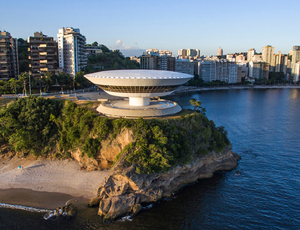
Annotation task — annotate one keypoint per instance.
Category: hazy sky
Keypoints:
(131, 25)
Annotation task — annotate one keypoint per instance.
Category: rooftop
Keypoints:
(139, 74)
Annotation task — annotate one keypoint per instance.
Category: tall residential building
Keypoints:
(192, 52)
(71, 50)
(250, 54)
(280, 62)
(259, 70)
(296, 76)
(295, 59)
(42, 54)
(182, 53)
(149, 62)
(268, 55)
(157, 60)
(220, 52)
(185, 66)
(222, 70)
(9, 64)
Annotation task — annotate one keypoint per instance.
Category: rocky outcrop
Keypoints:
(110, 148)
(124, 190)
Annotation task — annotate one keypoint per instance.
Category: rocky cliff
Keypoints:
(124, 190)
(106, 156)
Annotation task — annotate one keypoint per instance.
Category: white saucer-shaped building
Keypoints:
(139, 86)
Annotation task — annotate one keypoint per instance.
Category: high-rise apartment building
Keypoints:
(222, 70)
(185, 66)
(157, 60)
(9, 64)
(42, 54)
(295, 59)
(268, 55)
(259, 70)
(220, 52)
(250, 54)
(193, 53)
(182, 53)
(280, 62)
(71, 50)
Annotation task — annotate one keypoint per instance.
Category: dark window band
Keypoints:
(138, 89)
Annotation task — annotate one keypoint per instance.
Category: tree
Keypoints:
(4, 87)
(48, 79)
(81, 81)
(65, 80)
(197, 106)
(104, 49)
(24, 79)
(13, 83)
(95, 44)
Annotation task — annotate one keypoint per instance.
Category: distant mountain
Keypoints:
(132, 52)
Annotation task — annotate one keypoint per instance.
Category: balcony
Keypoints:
(44, 69)
(4, 70)
(44, 61)
(43, 53)
(34, 57)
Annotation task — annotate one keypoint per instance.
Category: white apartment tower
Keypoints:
(268, 56)
(250, 54)
(71, 50)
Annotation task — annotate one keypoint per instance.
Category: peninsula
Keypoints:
(123, 163)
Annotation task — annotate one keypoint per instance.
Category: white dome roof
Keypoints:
(139, 74)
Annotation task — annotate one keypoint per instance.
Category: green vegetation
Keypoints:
(109, 60)
(42, 127)
(48, 82)
(26, 125)
(23, 55)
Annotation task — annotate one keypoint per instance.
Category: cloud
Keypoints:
(120, 45)
(127, 51)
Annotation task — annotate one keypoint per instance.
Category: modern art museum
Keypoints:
(142, 87)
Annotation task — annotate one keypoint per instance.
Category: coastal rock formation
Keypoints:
(124, 190)
(110, 149)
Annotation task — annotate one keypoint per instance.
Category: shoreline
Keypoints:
(186, 89)
(38, 200)
(46, 184)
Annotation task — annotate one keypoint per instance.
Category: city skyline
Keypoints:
(135, 26)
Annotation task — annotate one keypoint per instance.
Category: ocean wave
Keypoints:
(20, 207)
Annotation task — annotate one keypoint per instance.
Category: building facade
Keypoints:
(193, 53)
(259, 70)
(182, 53)
(220, 52)
(250, 54)
(93, 50)
(42, 54)
(155, 59)
(9, 64)
(71, 50)
(185, 66)
(280, 62)
(268, 56)
(222, 70)
(295, 58)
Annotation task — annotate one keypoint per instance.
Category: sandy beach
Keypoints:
(46, 183)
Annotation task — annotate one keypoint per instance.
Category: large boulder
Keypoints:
(124, 190)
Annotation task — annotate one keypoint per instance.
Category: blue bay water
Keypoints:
(264, 129)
